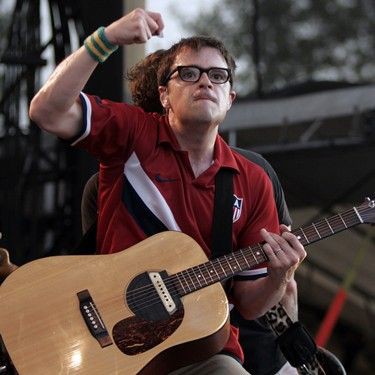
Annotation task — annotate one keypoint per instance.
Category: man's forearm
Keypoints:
(55, 106)
(254, 298)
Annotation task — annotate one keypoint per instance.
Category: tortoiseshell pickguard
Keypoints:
(136, 335)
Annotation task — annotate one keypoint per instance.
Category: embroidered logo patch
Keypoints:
(237, 207)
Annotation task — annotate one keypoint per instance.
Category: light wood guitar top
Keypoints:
(45, 333)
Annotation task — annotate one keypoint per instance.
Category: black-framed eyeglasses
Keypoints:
(192, 73)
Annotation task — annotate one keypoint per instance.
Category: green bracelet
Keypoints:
(98, 46)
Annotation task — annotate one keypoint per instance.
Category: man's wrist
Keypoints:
(98, 45)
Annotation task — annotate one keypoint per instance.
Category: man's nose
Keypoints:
(204, 80)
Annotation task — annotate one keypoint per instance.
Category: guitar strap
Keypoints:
(222, 218)
(295, 342)
(221, 242)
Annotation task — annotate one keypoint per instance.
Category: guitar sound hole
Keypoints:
(143, 300)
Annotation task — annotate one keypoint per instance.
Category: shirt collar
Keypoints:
(166, 135)
(222, 152)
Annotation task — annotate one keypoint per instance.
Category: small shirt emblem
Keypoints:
(237, 207)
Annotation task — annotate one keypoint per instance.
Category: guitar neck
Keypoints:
(221, 268)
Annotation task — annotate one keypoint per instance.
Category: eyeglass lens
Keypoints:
(193, 74)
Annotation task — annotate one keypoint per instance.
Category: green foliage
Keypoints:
(299, 40)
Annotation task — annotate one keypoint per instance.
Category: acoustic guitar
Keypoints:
(155, 307)
(6, 267)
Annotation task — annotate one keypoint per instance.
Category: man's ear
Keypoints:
(232, 96)
(164, 97)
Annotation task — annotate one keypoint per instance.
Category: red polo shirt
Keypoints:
(146, 183)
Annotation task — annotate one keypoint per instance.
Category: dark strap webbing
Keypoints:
(221, 225)
(223, 214)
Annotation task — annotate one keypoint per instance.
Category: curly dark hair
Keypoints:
(143, 82)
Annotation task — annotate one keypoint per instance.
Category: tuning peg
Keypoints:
(371, 203)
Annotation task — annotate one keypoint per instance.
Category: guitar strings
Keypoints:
(171, 280)
(145, 302)
(141, 296)
(310, 231)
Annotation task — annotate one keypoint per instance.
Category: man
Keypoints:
(262, 354)
(156, 159)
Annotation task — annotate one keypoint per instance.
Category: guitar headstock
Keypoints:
(6, 267)
(367, 211)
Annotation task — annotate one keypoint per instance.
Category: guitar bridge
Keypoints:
(93, 319)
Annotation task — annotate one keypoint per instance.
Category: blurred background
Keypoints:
(306, 86)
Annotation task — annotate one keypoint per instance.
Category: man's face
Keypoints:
(201, 102)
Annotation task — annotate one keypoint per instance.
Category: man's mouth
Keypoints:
(204, 97)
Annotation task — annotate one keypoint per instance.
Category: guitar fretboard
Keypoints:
(221, 268)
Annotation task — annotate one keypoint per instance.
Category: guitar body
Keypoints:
(45, 332)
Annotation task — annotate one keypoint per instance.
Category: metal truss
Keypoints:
(38, 197)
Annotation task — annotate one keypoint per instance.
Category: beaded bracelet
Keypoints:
(98, 46)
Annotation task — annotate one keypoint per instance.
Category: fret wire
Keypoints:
(236, 267)
(193, 275)
(182, 286)
(358, 215)
(335, 222)
(349, 222)
(208, 272)
(241, 260)
(261, 252)
(362, 210)
(323, 232)
(299, 237)
(216, 263)
(226, 265)
(329, 225)
(196, 276)
(186, 283)
(229, 257)
(214, 268)
(252, 253)
(251, 256)
(245, 259)
(354, 217)
(322, 228)
(257, 250)
(191, 279)
(316, 230)
(187, 279)
(313, 231)
(342, 220)
(310, 234)
(220, 263)
(303, 232)
(205, 273)
(198, 271)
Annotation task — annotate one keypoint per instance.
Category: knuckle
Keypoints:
(139, 12)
